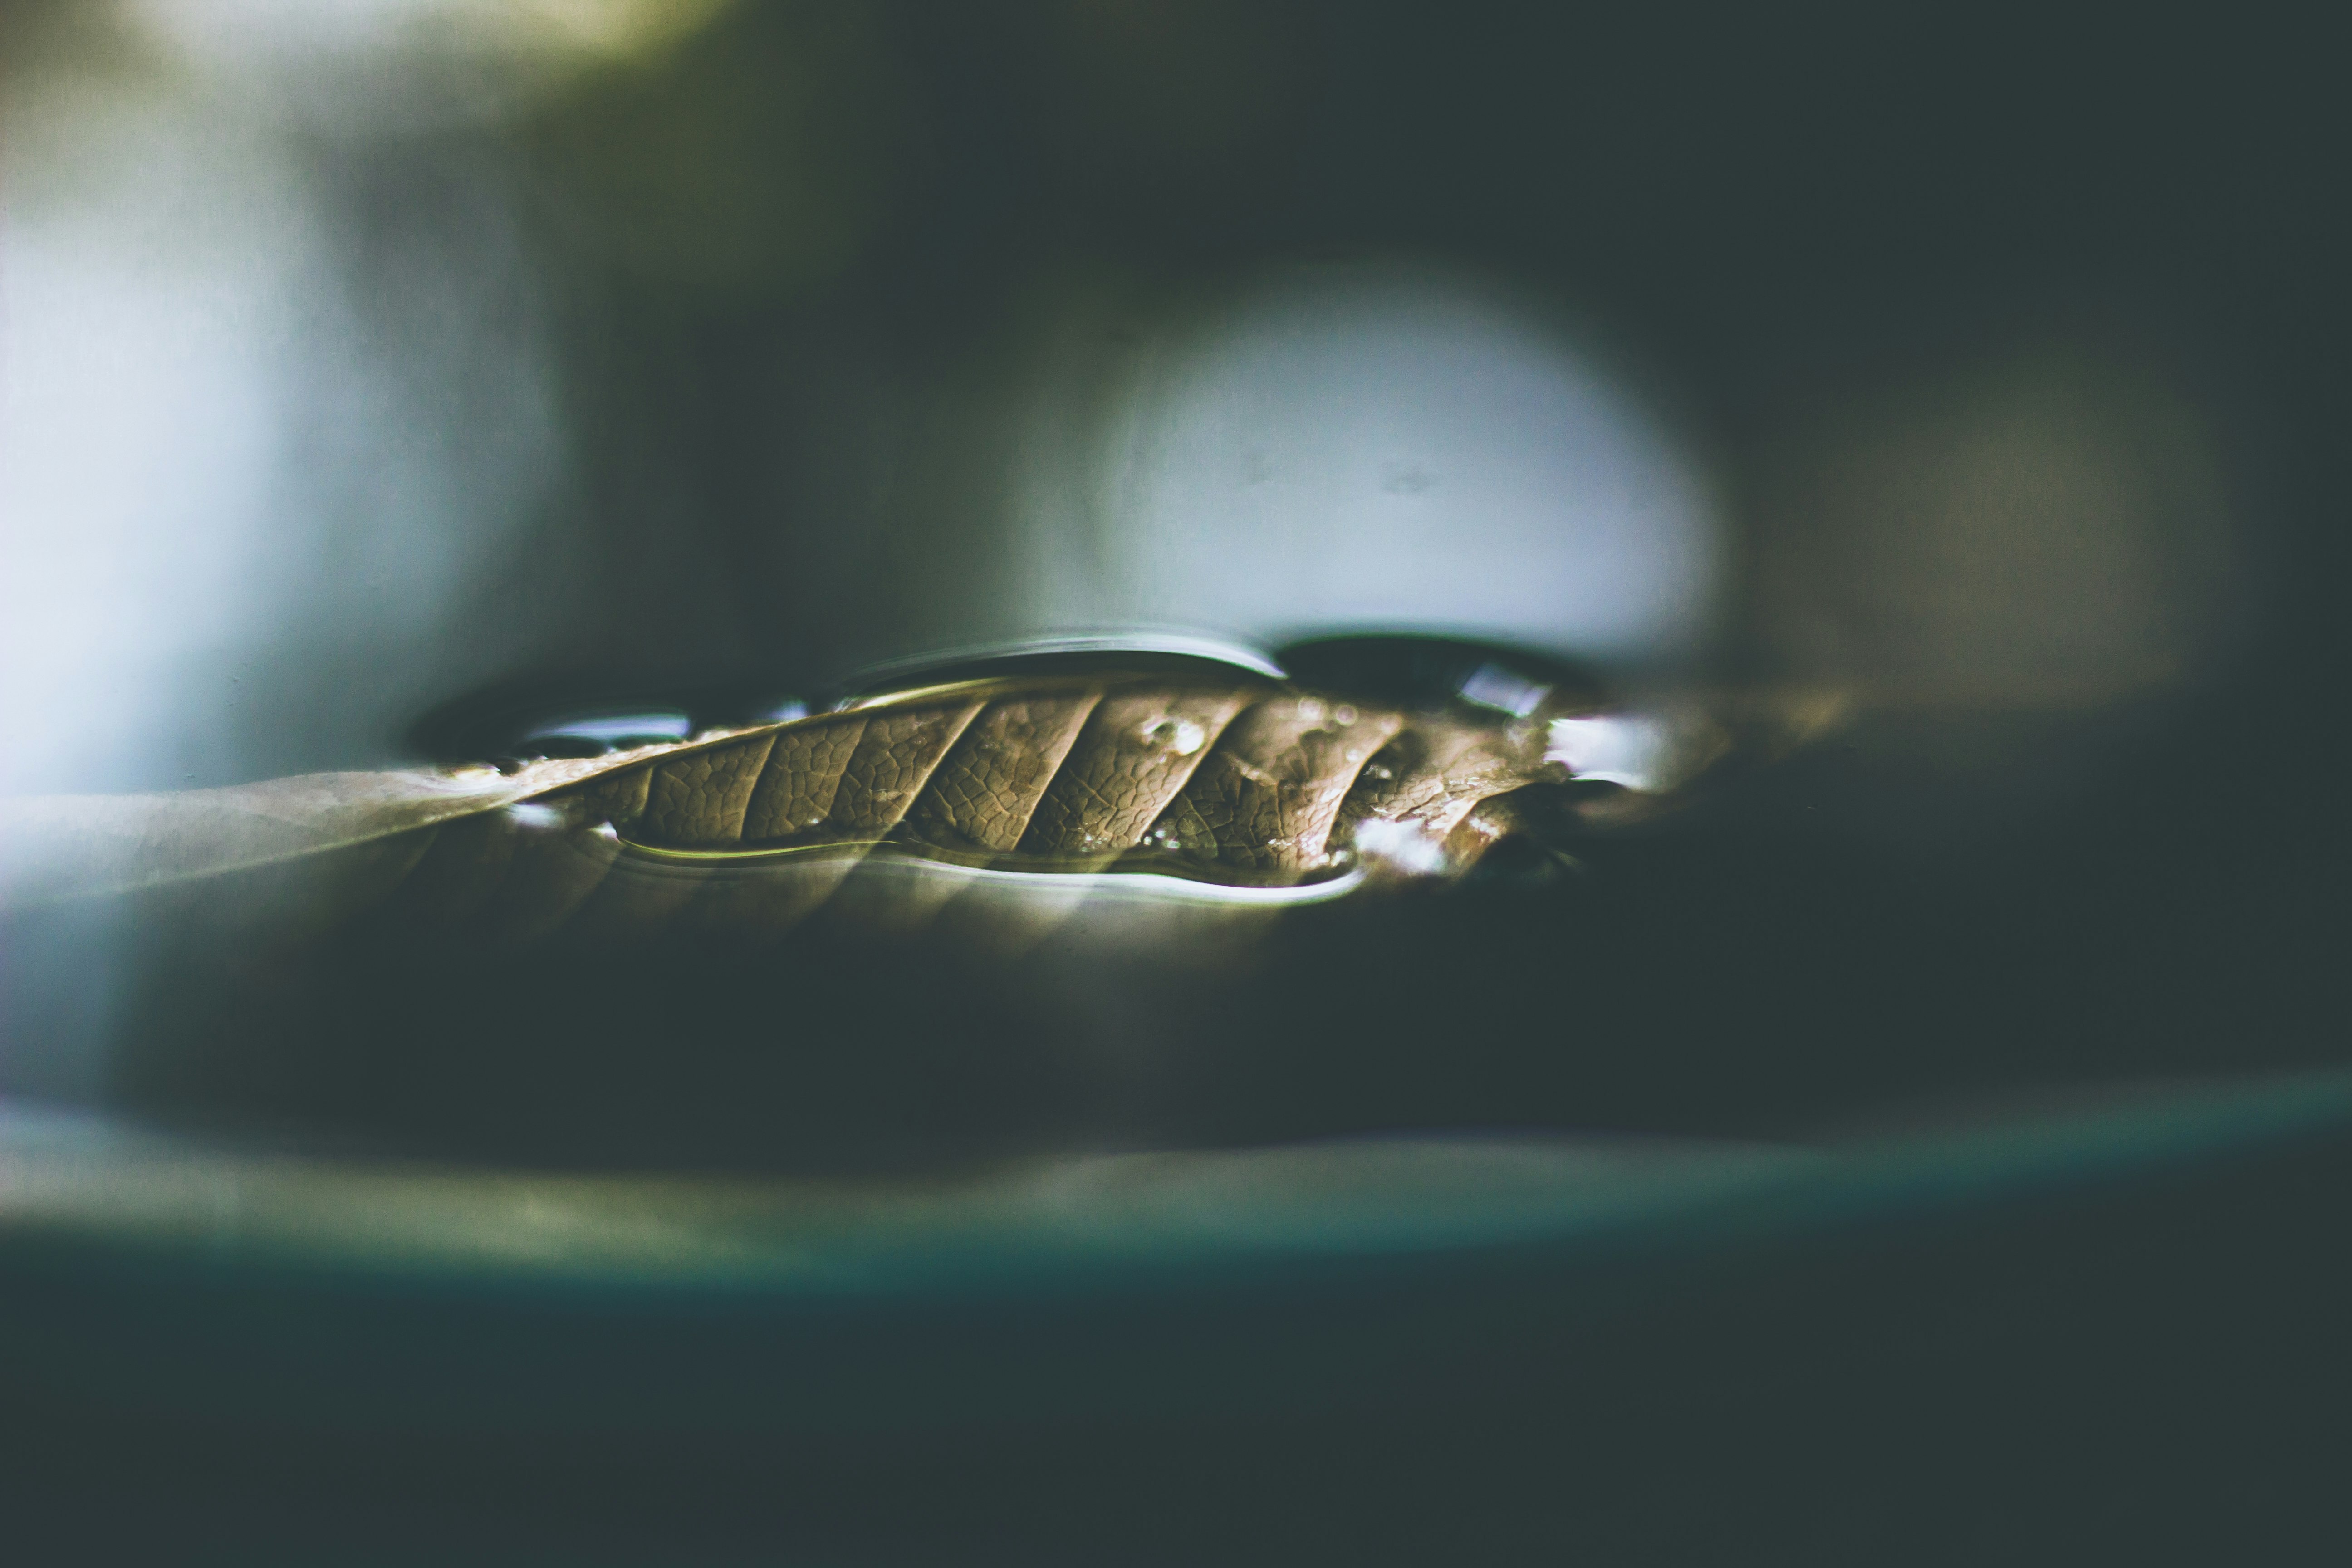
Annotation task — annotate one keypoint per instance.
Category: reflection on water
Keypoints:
(1640, 752)
(593, 736)
(1141, 648)
(1077, 813)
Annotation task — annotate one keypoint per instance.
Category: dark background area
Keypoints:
(1790, 206)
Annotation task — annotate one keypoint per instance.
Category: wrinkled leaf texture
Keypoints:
(1215, 784)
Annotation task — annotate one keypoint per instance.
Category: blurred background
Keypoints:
(361, 354)
(1984, 364)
